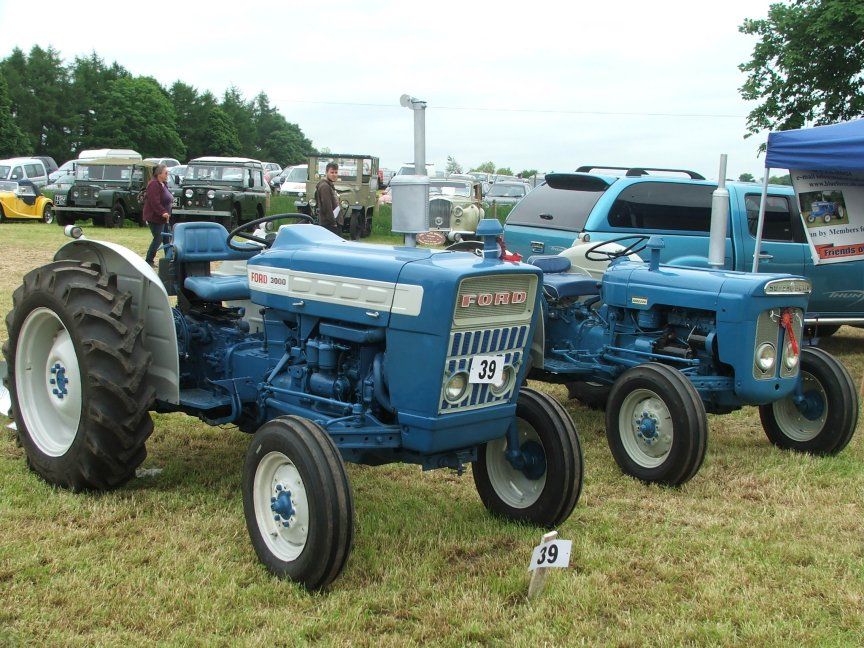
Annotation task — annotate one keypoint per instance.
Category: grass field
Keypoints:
(761, 548)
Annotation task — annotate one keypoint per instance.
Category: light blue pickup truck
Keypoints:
(596, 206)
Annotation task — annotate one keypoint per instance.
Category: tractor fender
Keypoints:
(537, 350)
(149, 304)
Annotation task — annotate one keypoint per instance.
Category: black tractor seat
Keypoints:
(558, 283)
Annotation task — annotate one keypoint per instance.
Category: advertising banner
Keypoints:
(832, 207)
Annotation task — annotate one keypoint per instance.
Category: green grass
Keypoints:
(761, 548)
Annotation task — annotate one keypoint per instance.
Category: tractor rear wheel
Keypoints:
(77, 377)
(544, 489)
(656, 424)
(297, 502)
(824, 421)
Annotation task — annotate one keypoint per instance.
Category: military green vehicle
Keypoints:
(455, 205)
(224, 190)
(108, 190)
(357, 187)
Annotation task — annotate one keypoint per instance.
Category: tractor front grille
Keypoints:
(507, 341)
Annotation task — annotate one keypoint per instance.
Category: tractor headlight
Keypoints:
(456, 387)
(344, 204)
(766, 356)
(188, 193)
(507, 377)
(211, 194)
(790, 357)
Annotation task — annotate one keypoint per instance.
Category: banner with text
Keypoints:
(832, 207)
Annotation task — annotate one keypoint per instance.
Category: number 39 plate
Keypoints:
(486, 369)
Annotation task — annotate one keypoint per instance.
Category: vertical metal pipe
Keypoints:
(757, 250)
(719, 220)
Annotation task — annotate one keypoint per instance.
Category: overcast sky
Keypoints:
(549, 86)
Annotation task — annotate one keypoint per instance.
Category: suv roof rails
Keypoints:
(633, 172)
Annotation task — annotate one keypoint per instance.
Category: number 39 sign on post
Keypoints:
(551, 552)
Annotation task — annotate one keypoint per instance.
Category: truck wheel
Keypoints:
(77, 368)
(234, 223)
(824, 422)
(656, 424)
(545, 489)
(297, 501)
(590, 394)
(367, 224)
(48, 214)
(117, 217)
(64, 219)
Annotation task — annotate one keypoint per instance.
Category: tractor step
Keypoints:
(203, 399)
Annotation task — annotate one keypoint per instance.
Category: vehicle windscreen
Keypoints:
(563, 209)
(105, 172)
(506, 191)
(8, 186)
(4, 171)
(297, 174)
(449, 188)
(348, 168)
(214, 173)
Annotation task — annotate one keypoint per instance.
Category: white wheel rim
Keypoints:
(513, 486)
(48, 382)
(645, 428)
(275, 475)
(792, 422)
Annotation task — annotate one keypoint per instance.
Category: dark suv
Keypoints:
(226, 190)
(108, 190)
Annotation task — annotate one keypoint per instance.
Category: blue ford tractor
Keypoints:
(326, 350)
(657, 346)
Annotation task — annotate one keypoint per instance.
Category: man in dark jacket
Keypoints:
(328, 200)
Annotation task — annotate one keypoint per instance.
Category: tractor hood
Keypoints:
(733, 295)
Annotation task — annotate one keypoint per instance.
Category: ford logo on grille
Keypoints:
(494, 299)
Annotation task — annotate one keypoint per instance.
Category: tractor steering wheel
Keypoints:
(597, 253)
(466, 246)
(238, 232)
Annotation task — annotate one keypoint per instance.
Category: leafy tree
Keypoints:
(528, 173)
(504, 171)
(241, 113)
(780, 180)
(138, 114)
(486, 167)
(746, 177)
(222, 136)
(192, 111)
(13, 141)
(808, 65)
(452, 165)
(91, 80)
(276, 138)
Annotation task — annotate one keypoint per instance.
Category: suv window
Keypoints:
(782, 223)
(17, 173)
(663, 206)
(33, 170)
(562, 209)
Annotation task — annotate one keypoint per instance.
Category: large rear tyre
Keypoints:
(297, 502)
(545, 487)
(656, 424)
(590, 394)
(824, 420)
(77, 377)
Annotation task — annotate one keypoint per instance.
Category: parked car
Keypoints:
(408, 169)
(227, 190)
(272, 169)
(293, 180)
(599, 207)
(384, 176)
(24, 168)
(24, 200)
(455, 204)
(176, 175)
(357, 187)
(63, 177)
(109, 190)
(508, 192)
(126, 154)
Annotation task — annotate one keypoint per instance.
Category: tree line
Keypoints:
(56, 109)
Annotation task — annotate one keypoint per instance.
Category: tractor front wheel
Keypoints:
(77, 377)
(542, 484)
(297, 502)
(656, 424)
(822, 418)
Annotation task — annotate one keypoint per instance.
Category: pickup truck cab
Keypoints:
(587, 206)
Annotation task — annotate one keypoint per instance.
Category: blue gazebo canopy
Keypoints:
(838, 147)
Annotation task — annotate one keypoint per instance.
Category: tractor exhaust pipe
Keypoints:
(719, 219)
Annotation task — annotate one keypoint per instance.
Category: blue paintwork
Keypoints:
(59, 380)
(838, 289)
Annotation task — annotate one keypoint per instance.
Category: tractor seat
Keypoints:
(196, 244)
(560, 284)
